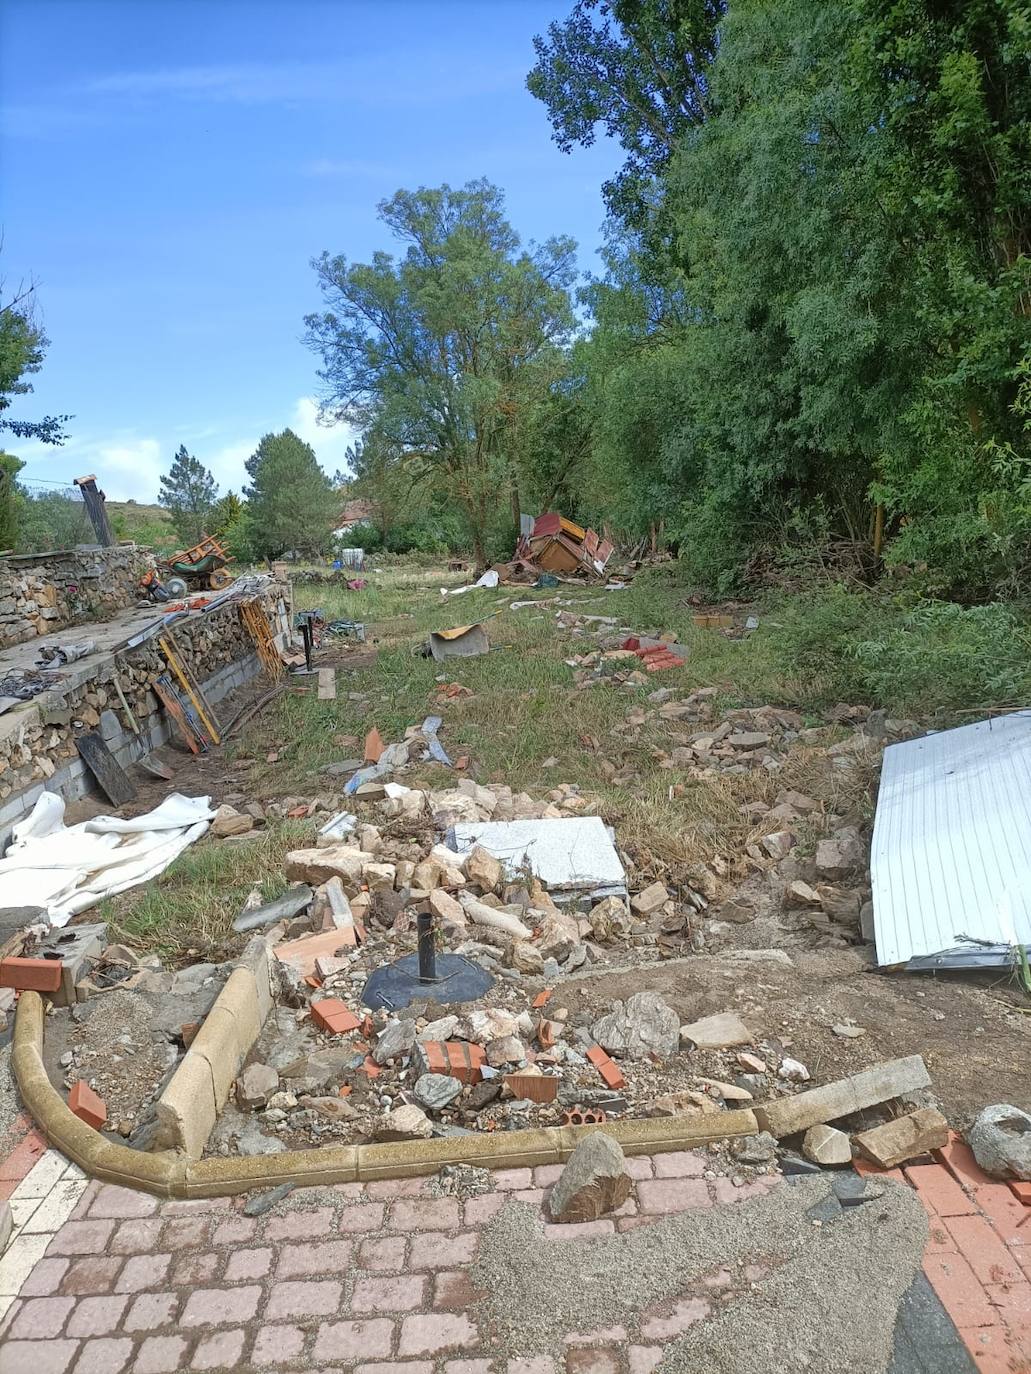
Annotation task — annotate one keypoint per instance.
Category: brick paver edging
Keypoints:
(172, 1175)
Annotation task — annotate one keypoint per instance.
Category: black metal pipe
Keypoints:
(427, 948)
(307, 636)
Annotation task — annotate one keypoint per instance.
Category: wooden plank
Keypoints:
(327, 684)
(115, 782)
(162, 689)
(905, 1137)
(786, 1115)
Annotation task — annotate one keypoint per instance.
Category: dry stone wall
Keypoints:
(43, 593)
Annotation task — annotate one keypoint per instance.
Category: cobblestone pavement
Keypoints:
(375, 1278)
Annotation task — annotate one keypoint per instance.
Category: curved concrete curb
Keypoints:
(174, 1175)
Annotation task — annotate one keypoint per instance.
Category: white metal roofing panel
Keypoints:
(951, 854)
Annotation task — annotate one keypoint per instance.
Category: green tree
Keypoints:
(291, 503)
(9, 500)
(638, 68)
(443, 348)
(189, 493)
(22, 347)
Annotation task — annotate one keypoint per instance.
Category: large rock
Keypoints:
(841, 855)
(717, 1032)
(916, 1133)
(405, 1123)
(595, 1181)
(395, 1040)
(255, 1086)
(526, 958)
(483, 870)
(434, 1091)
(1001, 1141)
(641, 1026)
(317, 866)
(650, 899)
(610, 920)
(826, 1145)
(558, 935)
(229, 821)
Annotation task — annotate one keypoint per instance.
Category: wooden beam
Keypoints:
(786, 1115)
(95, 509)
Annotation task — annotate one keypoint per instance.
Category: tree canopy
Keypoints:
(291, 503)
(189, 493)
(22, 348)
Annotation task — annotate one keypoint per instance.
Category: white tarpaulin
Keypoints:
(67, 869)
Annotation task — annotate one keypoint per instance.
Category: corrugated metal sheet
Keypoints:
(951, 856)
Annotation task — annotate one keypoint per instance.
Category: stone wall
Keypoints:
(38, 741)
(42, 593)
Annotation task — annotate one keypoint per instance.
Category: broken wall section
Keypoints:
(42, 593)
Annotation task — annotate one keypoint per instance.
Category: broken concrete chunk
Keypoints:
(405, 1123)
(395, 1040)
(917, 1133)
(826, 1145)
(483, 915)
(317, 866)
(593, 1183)
(435, 1091)
(255, 1086)
(641, 1026)
(229, 821)
(716, 1032)
(557, 935)
(650, 899)
(610, 920)
(444, 906)
(786, 1115)
(1001, 1141)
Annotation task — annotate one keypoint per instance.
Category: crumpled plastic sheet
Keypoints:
(67, 869)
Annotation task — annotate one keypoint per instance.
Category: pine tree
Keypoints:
(291, 504)
(189, 493)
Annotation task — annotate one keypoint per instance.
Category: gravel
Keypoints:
(827, 1304)
(10, 1105)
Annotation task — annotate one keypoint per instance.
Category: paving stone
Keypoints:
(479, 1210)
(642, 1359)
(38, 1357)
(41, 1318)
(249, 1264)
(958, 1287)
(664, 1195)
(353, 1341)
(95, 1275)
(235, 1231)
(402, 1294)
(467, 1367)
(508, 1179)
(142, 1272)
(214, 1306)
(312, 1298)
(431, 1333)
(160, 1355)
(433, 1214)
(194, 1269)
(137, 1237)
(108, 1355)
(386, 1254)
(301, 1225)
(46, 1278)
(679, 1164)
(726, 1192)
(185, 1233)
(397, 1367)
(579, 1230)
(120, 1203)
(151, 1310)
(82, 1238)
(96, 1316)
(454, 1288)
(437, 1251)
(221, 1351)
(365, 1216)
(277, 1345)
(593, 1360)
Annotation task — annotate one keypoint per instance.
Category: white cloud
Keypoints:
(330, 442)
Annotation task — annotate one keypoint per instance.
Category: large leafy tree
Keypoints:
(444, 348)
(291, 503)
(639, 69)
(22, 347)
(189, 493)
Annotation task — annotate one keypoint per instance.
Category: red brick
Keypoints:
(998, 1350)
(387, 1254)
(96, 1316)
(402, 1294)
(220, 1351)
(333, 1016)
(673, 1319)
(609, 1071)
(303, 1298)
(679, 1164)
(533, 1087)
(939, 1191)
(142, 1272)
(277, 1345)
(1013, 1302)
(38, 1357)
(939, 1237)
(86, 1105)
(431, 1333)
(958, 1158)
(981, 1247)
(1021, 1191)
(81, 1238)
(151, 1310)
(36, 975)
(252, 1263)
(108, 1355)
(160, 1355)
(961, 1293)
(22, 1157)
(41, 1318)
(659, 1195)
(430, 1214)
(354, 1341)
(436, 1251)
(457, 1058)
(1005, 1212)
(85, 1277)
(454, 1288)
(867, 1166)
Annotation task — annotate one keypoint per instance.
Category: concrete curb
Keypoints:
(174, 1175)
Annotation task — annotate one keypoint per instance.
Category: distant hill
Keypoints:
(142, 523)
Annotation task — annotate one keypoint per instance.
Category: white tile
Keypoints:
(73, 1171)
(22, 1208)
(55, 1209)
(42, 1176)
(5, 1306)
(18, 1261)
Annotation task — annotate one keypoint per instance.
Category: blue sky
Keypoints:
(168, 170)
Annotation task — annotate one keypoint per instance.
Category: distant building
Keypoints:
(356, 512)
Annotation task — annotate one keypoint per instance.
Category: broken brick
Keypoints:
(31, 975)
(534, 1087)
(374, 746)
(542, 999)
(330, 1014)
(609, 1071)
(86, 1105)
(456, 1058)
